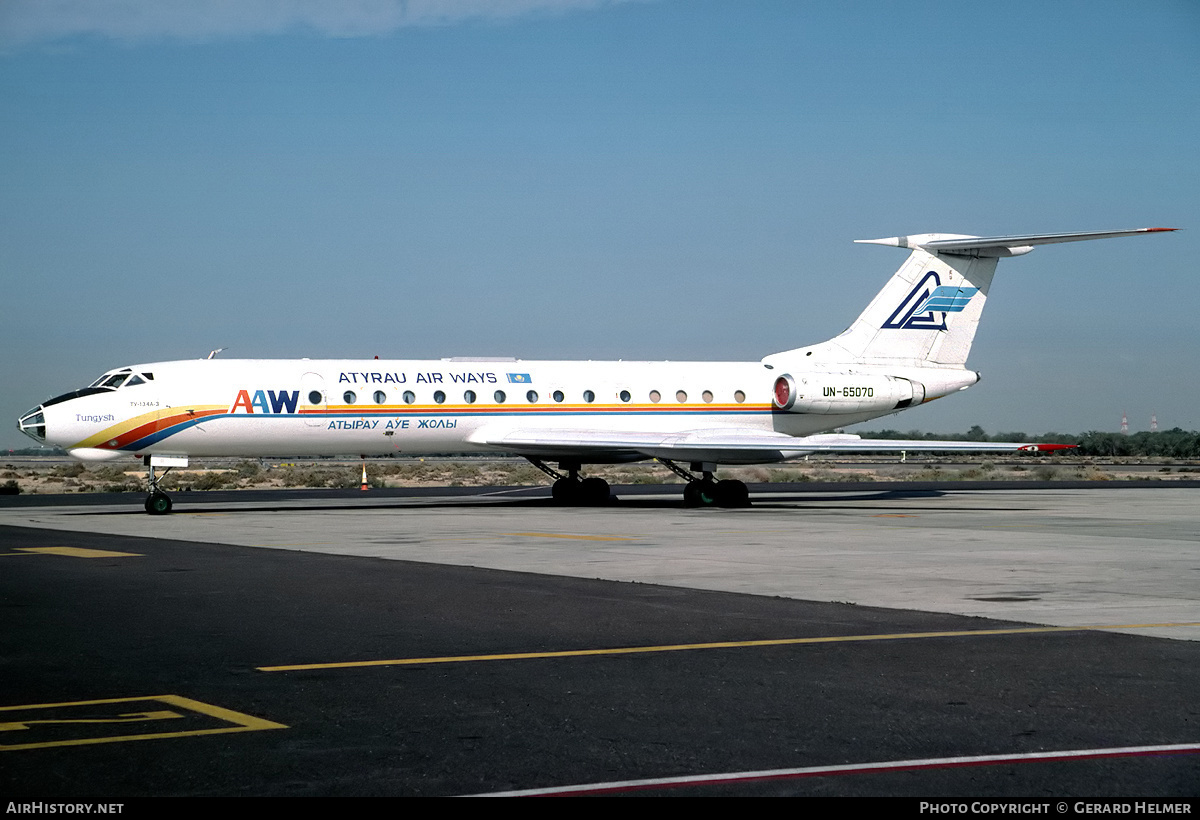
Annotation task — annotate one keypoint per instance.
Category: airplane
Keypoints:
(907, 348)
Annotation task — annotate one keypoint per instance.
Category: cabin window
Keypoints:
(349, 397)
(589, 396)
(558, 395)
(409, 397)
(655, 396)
(707, 396)
(380, 397)
(680, 396)
(469, 397)
(625, 396)
(500, 397)
(314, 397)
(531, 397)
(739, 396)
(439, 397)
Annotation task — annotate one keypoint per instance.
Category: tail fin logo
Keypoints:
(926, 305)
(948, 299)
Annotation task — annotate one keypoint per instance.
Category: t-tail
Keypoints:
(927, 314)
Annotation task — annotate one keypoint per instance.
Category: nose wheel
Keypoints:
(158, 503)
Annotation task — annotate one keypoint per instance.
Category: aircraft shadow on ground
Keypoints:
(523, 497)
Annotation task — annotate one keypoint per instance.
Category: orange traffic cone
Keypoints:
(364, 481)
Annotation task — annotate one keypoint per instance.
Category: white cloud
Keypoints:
(37, 21)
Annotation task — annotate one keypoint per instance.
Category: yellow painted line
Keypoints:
(241, 722)
(635, 650)
(574, 537)
(77, 552)
(126, 717)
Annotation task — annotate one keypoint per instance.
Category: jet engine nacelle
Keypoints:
(838, 393)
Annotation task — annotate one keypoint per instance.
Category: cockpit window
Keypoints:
(112, 381)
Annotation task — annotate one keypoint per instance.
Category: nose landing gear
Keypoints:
(158, 502)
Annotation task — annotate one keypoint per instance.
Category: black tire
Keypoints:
(732, 493)
(566, 491)
(593, 491)
(699, 494)
(158, 503)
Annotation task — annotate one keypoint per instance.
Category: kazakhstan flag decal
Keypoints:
(519, 378)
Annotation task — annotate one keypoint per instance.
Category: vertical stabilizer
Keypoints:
(927, 313)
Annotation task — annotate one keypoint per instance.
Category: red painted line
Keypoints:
(860, 768)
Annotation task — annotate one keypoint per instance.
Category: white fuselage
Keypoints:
(215, 407)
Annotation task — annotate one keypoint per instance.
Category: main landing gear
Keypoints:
(702, 491)
(157, 502)
(571, 491)
(706, 491)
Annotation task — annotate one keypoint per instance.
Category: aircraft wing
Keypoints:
(718, 445)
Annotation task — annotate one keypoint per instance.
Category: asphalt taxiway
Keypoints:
(392, 643)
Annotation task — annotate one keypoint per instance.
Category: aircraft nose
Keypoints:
(33, 424)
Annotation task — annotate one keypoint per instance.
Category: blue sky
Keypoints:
(654, 179)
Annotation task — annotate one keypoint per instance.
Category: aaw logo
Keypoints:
(280, 402)
(919, 310)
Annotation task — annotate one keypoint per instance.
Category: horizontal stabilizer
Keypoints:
(997, 246)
